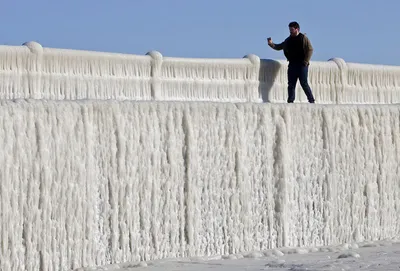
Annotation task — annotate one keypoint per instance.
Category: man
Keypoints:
(298, 50)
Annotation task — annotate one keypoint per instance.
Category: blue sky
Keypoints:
(363, 31)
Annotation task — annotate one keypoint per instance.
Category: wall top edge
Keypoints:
(371, 66)
(35, 47)
(83, 53)
(207, 60)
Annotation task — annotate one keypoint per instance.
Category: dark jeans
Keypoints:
(298, 71)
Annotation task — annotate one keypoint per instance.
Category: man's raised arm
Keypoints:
(277, 47)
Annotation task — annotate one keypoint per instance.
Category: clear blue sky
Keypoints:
(364, 31)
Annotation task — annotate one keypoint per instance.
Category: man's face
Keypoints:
(293, 31)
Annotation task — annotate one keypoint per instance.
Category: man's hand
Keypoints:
(270, 41)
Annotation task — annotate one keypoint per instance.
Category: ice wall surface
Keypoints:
(92, 183)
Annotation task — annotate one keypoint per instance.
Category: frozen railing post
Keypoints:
(34, 69)
(252, 79)
(343, 76)
(156, 63)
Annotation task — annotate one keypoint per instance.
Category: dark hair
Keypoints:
(295, 25)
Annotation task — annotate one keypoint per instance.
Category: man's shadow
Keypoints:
(269, 70)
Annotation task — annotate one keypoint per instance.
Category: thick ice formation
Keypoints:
(99, 182)
(56, 74)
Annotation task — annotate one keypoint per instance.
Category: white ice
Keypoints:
(33, 72)
(91, 183)
(89, 177)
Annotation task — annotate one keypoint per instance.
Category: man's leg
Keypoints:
(293, 74)
(303, 77)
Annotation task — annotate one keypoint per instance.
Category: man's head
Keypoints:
(294, 29)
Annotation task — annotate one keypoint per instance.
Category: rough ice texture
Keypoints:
(31, 71)
(102, 182)
(232, 80)
(58, 74)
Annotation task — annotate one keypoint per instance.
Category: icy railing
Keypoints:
(68, 74)
(234, 80)
(372, 83)
(32, 71)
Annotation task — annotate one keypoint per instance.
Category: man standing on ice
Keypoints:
(298, 50)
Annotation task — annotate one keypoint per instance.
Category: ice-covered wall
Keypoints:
(96, 182)
(32, 71)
